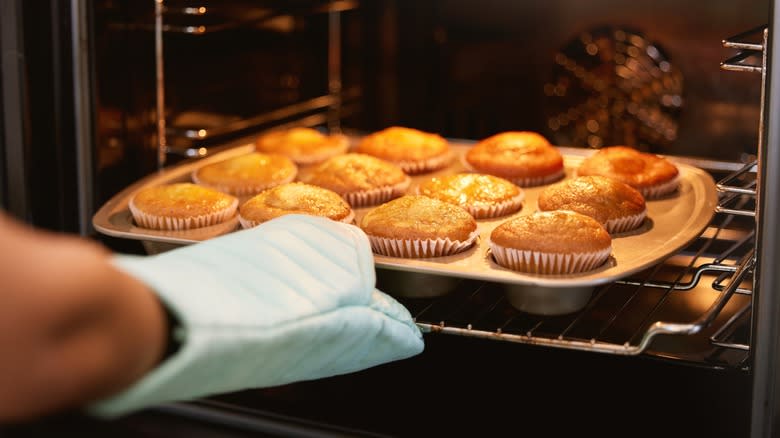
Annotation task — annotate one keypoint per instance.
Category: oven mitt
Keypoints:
(290, 300)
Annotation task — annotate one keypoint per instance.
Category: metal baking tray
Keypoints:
(672, 223)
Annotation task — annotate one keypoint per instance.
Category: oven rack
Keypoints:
(625, 317)
(721, 323)
(331, 106)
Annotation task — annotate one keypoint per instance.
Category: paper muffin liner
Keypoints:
(500, 209)
(522, 182)
(418, 248)
(379, 195)
(661, 189)
(316, 158)
(243, 190)
(538, 180)
(146, 220)
(627, 223)
(427, 165)
(535, 262)
(246, 223)
(484, 211)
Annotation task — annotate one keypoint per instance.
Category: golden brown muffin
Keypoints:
(483, 196)
(551, 242)
(524, 158)
(181, 206)
(361, 179)
(294, 198)
(416, 226)
(413, 151)
(616, 205)
(247, 174)
(304, 146)
(652, 175)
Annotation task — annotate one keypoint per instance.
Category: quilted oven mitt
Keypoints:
(290, 300)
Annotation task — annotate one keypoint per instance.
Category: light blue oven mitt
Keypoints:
(290, 300)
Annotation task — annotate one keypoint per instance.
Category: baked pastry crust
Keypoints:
(482, 195)
(181, 206)
(294, 198)
(523, 157)
(412, 150)
(616, 205)
(247, 174)
(304, 146)
(558, 231)
(419, 217)
(361, 179)
(419, 226)
(651, 174)
(551, 243)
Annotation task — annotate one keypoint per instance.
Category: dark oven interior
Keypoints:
(584, 74)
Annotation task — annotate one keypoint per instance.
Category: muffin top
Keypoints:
(559, 231)
(302, 145)
(399, 144)
(626, 164)
(596, 196)
(181, 200)
(248, 173)
(466, 189)
(355, 172)
(515, 154)
(419, 217)
(298, 198)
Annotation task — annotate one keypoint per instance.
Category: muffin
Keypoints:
(616, 205)
(413, 151)
(652, 175)
(524, 158)
(247, 174)
(361, 179)
(483, 196)
(304, 146)
(294, 198)
(551, 243)
(181, 206)
(415, 226)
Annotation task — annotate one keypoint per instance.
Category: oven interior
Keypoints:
(667, 350)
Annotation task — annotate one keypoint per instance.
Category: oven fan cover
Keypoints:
(612, 86)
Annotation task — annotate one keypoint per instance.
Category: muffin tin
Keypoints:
(672, 223)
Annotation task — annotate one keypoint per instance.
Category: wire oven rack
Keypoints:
(704, 292)
(327, 109)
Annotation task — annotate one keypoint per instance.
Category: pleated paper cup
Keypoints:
(413, 167)
(660, 190)
(247, 223)
(496, 210)
(379, 195)
(156, 222)
(536, 262)
(420, 248)
(526, 181)
(623, 224)
(532, 181)
(247, 189)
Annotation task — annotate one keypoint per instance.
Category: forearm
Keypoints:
(72, 328)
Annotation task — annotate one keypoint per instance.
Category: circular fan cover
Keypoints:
(613, 87)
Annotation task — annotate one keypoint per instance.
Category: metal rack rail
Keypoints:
(333, 105)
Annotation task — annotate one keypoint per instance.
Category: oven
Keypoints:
(686, 347)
